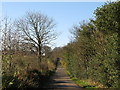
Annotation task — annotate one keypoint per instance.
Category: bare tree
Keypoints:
(38, 30)
(10, 35)
(0, 35)
(6, 30)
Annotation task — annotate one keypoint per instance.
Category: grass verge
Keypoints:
(82, 83)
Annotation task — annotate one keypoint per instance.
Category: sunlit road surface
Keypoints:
(62, 81)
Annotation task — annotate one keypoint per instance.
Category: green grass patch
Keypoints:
(82, 83)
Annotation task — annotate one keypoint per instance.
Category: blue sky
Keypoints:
(65, 14)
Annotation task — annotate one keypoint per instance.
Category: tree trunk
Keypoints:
(39, 57)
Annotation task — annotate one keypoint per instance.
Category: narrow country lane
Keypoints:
(62, 81)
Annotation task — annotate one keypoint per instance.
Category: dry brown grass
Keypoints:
(21, 66)
(29, 61)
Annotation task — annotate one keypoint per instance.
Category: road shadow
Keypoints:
(60, 80)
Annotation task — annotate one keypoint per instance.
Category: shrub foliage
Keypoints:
(94, 53)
